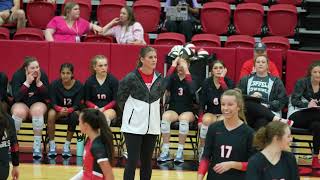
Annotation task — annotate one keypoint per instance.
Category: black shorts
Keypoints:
(4, 171)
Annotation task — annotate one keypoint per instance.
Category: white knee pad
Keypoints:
(183, 127)
(203, 131)
(37, 122)
(17, 122)
(165, 126)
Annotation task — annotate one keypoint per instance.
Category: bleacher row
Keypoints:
(216, 17)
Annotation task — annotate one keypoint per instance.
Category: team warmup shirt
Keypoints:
(210, 95)
(32, 94)
(8, 142)
(223, 145)
(181, 93)
(3, 87)
(101, 95)
(94, 153)
(259, 168)
(61, 97)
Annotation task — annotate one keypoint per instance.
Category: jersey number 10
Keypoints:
(225, 151)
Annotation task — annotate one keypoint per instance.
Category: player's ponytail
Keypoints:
(97, 121)
(265, 135)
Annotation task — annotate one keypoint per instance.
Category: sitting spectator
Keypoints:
(305, 101)
(125, 28)
(101, 88)
(247, 68)
(181, 90)
(30, 92)
(212, 89)
(10, 12)
(265, 95)
(66, 94)
(185, 26)
(69, 27)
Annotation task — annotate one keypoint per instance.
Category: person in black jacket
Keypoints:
(210, 108)
(305, 109)
(8, 142)
(139, 97)
(228, 143)
(3, 91)
(66, 94)
(101, 88)
(30, 92)
(274, 161)
(181, 94)
(265, 95)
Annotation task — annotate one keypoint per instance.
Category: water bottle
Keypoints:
(80, 146)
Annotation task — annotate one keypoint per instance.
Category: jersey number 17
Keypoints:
(225, 151)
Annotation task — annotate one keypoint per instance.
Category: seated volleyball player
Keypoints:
(228, 143)
(30, 91)
(212, 89)
(181, 91)
(98, 151)
(274, 161)
(66, 94)
(101, 88)
(265, 95)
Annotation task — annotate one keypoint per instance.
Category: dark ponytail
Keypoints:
(97, 121)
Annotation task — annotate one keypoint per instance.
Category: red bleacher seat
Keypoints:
(85, 8)
(215, 17)
(248, 18)
(108, 10)
(206, 40)
(147, 12)
(39, 13)
(170, 38)
(4, 33)
(240, 41)
(282, 19)
(29, 34)
(277, 42)
(297, 66)
(294, 2)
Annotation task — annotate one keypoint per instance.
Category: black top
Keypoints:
(101, 95)
(30, 95)
(223, 145)
(66, 97)
(303, 89)
(3, 87)
(259, 168)
(210, 95)
(181, 94)
(9, 139)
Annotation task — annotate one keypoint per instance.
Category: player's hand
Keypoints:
(175, 61)
(29, 78)
(15, 173)
(312, 103)
(224, 72)
(223, 167)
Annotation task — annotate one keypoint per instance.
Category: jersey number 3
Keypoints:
(225, 151)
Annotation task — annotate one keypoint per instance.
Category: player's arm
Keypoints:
(107, 170)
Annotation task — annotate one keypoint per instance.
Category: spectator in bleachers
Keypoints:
(10, 12)
(66, 94)
(30, 92)
(69, 27)
(265, 95)
(273, 161)
(125, 28)
(181, 93)
(185, 27)
(210, 108)
(304, 108)
(101, 88)
(8, 143)
(228, 143)
(260, 49)
(3, 91)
